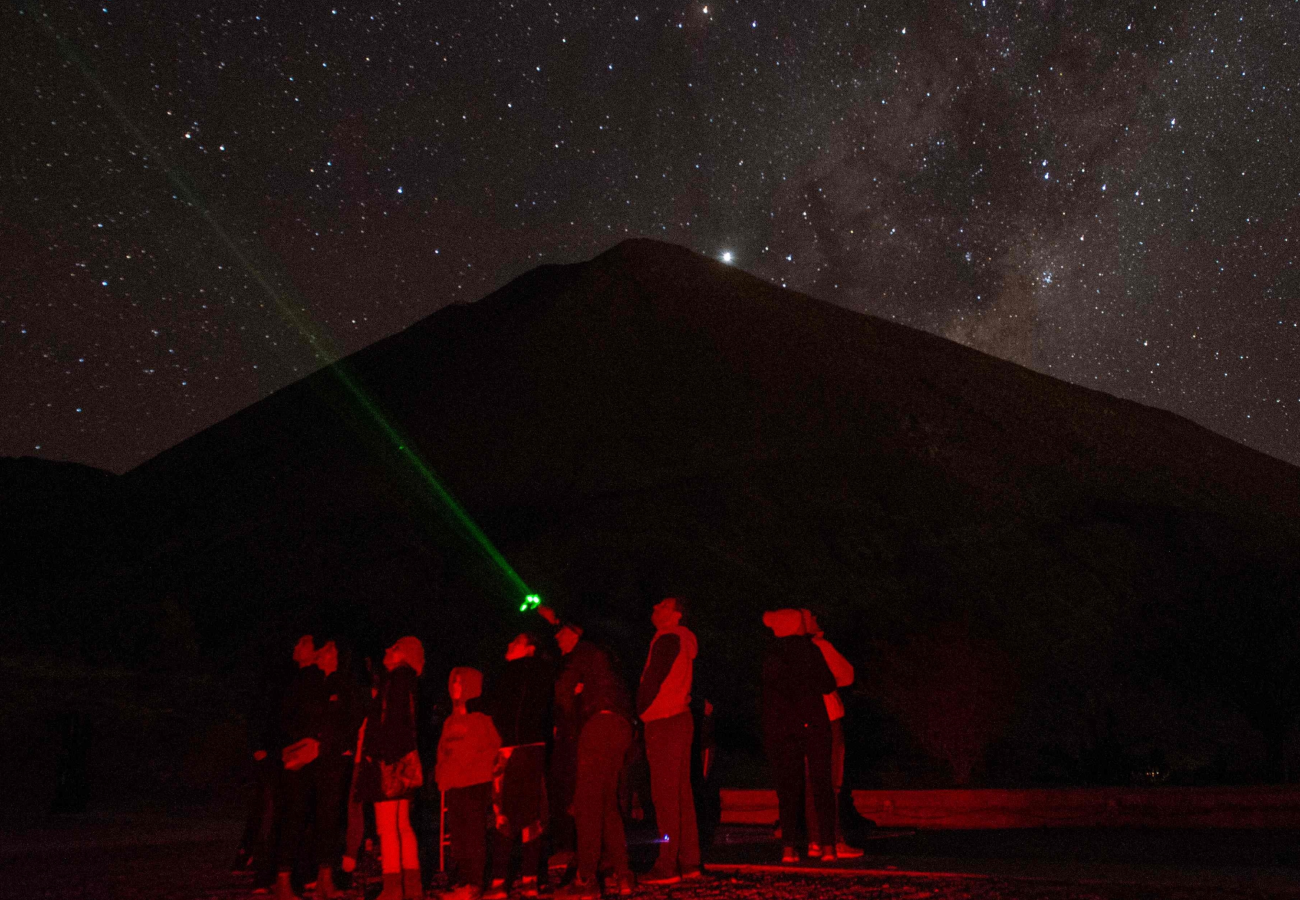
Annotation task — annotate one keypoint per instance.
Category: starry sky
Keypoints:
(201, 201)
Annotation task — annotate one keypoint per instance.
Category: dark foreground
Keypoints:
(135, 857)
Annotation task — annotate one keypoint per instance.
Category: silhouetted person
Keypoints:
(663, 702)
(842, 669)
(257, 846)
(302, 720)
(796, 730)
(467, 755)
(589, 689)
(390, 772)
(334, 766)
(520, 705)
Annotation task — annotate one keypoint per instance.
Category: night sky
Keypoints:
(200, 201)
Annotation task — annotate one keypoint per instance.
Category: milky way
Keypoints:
(1109, 193)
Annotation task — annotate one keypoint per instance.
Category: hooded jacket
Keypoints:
(467, 750)
(795, 678)
(665, 688)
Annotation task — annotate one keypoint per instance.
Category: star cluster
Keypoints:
(202, 202)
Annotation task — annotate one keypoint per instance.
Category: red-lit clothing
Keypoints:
(665, 688)
(842, 669)
(467, 750)
(390, 732)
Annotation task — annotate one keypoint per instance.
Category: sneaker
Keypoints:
(661, 875)
(625, 884)
(496, 890)
(789, 855)
(844, 851)
(528, 886)
(693, 873)
(814, 850)
(828, 855)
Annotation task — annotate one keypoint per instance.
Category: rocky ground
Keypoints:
(129, 858)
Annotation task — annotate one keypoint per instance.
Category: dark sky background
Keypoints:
(200, 199)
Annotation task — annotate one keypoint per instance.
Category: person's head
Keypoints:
(304, 652)
(464, 684)
(784, 622)
(523, 645)
(567, 638)
(810, 625)
(327, 658)
(668, 613)
(408, 651)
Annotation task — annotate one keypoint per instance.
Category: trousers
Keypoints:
(601, 747)
(668, 750)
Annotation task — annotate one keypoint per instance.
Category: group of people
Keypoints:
(534, 761)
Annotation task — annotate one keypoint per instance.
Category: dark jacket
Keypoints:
(603, 690)
(302, 709)
(390, 730)
(342, 716)
(520, 701)
(795, 676)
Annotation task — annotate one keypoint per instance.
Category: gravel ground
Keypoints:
(190, 862)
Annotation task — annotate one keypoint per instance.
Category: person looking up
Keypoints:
(301, 720)
(590, 691)
(520, 706)
(796, 731)
(467, 753)
(842, 669)
(390, 772)
(663, 701)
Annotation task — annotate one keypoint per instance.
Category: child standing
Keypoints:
(467, 754)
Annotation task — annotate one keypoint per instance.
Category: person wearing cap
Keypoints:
(520, 706)
(796, 730)
(590, 692)
(467, 755)
(663, 702)
(842, 669)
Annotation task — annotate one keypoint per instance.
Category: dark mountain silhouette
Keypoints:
(653, 421)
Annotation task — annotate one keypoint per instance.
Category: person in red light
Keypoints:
(302, 714)
(796, 730)
(467, 755)
(590, 691)
(520, 706)
(842, 669)
(663, 702)
(390, 768)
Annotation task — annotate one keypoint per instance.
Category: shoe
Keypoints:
(828, 855)
(661, 875)
(844, 851)
(284, 887)
(462, 892)
(528, 886)
(578, 889)
(496, 890)
(392, 887)
(625, 883)
(412, 886)
(789, 856)
(692, 874)
(325, 889)
(814, 850)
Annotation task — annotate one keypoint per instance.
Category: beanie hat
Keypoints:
(784, 622)
(471, 682)
(412, 652)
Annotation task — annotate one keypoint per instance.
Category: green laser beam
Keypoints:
(320, 346)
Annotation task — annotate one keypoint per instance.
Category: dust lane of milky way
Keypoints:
(1106, 193)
